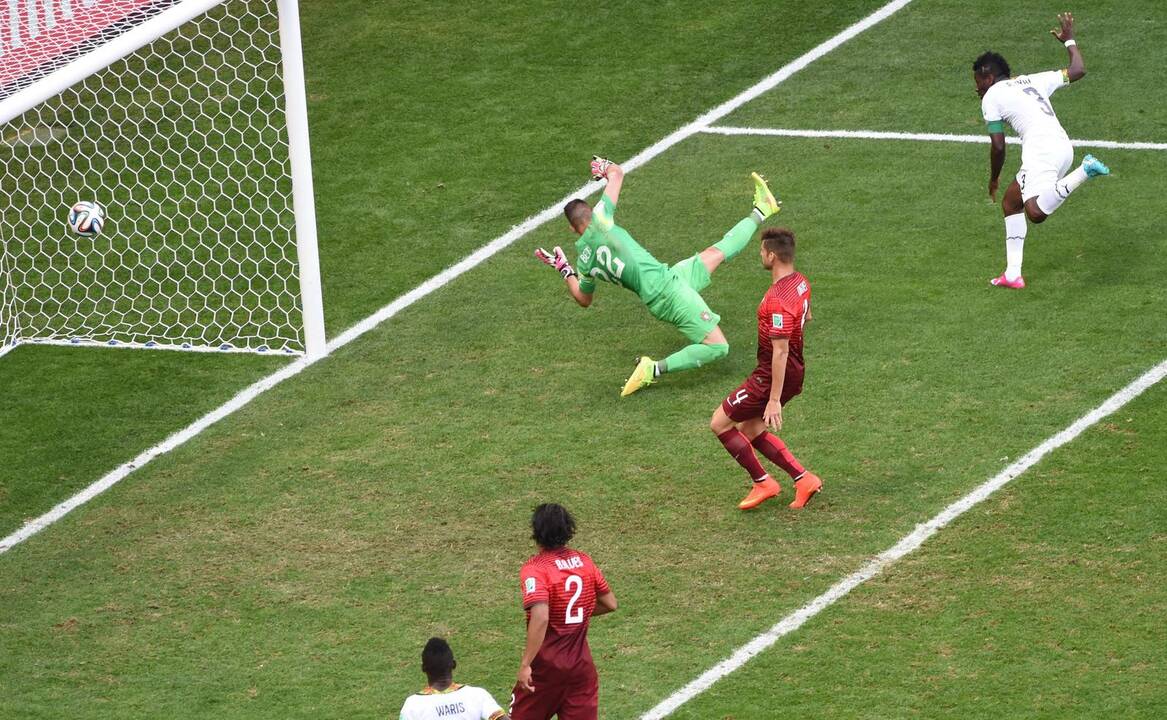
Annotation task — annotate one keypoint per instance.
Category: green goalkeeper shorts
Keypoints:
(681, 304)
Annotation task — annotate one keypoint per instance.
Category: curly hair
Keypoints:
(552, 526)
(437, 659)
(993, 65)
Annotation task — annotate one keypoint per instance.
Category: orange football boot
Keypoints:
(805, 488)
(760, 493)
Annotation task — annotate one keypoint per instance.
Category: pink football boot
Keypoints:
(1018, 284)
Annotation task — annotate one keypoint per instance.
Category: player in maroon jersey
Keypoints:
(562, 589)
(742, 419)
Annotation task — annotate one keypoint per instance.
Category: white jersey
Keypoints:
(457, 702)
(1023, 102)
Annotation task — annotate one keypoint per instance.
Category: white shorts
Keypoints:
(1041, 167)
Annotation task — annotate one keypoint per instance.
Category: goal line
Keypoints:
(921, 137)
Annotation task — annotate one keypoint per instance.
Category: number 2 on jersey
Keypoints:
(1045, 108)
(577, 617)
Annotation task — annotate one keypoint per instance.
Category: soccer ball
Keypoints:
(86, 218)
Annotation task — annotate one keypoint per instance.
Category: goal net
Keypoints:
(186, 121)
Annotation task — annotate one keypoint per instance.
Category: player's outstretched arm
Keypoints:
(603, 168)
(605, 604)
(558, 259)
(1065, 34)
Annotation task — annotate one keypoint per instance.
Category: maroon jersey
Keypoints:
(568, 581)
(781, 314)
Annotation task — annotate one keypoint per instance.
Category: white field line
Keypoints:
(438, 281)
(930, 137)
(908, 544)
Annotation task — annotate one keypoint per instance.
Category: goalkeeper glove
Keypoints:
(599, 167)
(557, 260)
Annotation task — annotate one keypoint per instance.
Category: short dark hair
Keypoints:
(437, 659)
(576, 211)
(992, 65)
(780, 241)
(552, 526)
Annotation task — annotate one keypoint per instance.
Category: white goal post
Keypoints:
(187, 121)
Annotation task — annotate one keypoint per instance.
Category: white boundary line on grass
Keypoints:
(476, 258)
(932, 137)
(908, 544)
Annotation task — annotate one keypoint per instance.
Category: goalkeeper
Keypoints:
(607, 252)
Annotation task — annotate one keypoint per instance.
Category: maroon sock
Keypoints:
(773, 448)
(738, 445)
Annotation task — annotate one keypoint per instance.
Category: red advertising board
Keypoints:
(39, 35)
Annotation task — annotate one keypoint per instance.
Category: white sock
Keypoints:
(1053, 198)
(1015, 228)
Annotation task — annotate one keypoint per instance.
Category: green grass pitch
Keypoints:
(290, 561)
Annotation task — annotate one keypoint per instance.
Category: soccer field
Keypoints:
(291, 560)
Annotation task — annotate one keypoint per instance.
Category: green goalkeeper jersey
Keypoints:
(607, 252)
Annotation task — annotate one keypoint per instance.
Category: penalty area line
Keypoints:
(905, 546)
(920, 137)
(440, 280)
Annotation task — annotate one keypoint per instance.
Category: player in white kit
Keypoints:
(1042, 184)
(444, 699)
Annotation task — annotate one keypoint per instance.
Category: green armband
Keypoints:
(997, 126)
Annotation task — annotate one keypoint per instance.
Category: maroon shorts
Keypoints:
(749, 400)
(571, 697)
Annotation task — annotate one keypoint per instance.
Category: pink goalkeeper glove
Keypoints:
(599, 167)
(557, 260)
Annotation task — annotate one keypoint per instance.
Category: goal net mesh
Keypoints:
(184, 143)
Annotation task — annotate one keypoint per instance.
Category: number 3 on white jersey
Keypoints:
(577, 617)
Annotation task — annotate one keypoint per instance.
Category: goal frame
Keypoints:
(296, 115)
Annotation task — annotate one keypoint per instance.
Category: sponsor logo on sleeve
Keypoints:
(529, 585)
(802, 288)
(776, 321)
(585, 256)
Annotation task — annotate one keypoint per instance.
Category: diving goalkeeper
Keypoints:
(607, 252)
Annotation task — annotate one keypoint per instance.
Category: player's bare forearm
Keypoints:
(582, 298)
(778, 368)
(772, 415)
(1064, 33)
(996, 161)
(536, 632)
(1077, 69)
(615, 178)
(605, 604)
